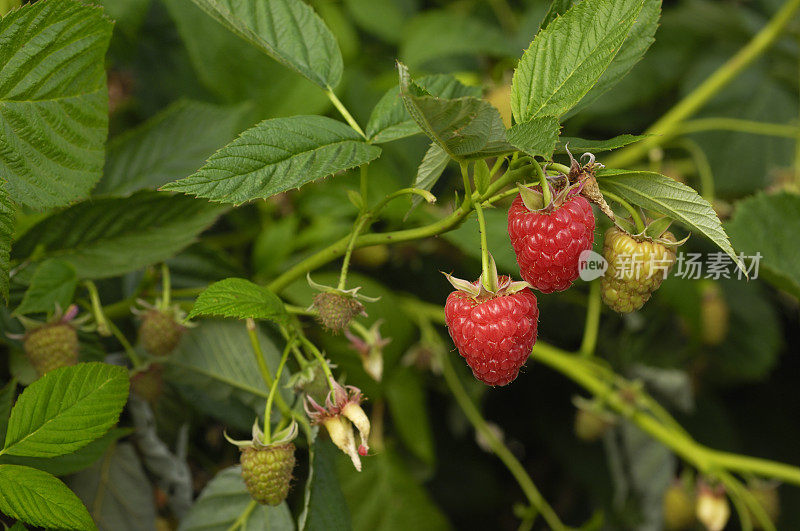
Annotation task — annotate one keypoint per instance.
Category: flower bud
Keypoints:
(341, 433)
(712, 508)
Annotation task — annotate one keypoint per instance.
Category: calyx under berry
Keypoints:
(487, 288)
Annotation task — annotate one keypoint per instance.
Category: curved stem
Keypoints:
(489, 279)
(250, 324)
(359, 225)
(240, 522)
(666, 126)
(317, 354)
(559, 167)
(500, 450)
(592, 320)
(345, 113)
(546, 195)
(273, 390)
(467, 185)
(424, 194)
(166, 289)
(637, 219)
(738, 125)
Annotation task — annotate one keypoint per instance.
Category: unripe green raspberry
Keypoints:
(335, 310)
(635, 269)
(590, 425)
(51, 346)
(678, 507)
(149, 383)
(159, 332)
(267, 472)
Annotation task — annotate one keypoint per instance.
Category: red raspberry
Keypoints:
(493, 332)
(548, 243)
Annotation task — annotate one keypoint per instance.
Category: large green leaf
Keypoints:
(275, 156)
(581, 145)
(71, 463)
(169, 146)
(537, 137)
(240, 298)
(288, 30)
(217, 358)
(7, 221)
(405, 395)
(112, 236)
(430, 169)
(53, 101)
(559, 68)
(385, 497)
(639, 39)
(390, 119)
(465, 128)
(37, 498)
(435, 34)
(383, 18)
(759, 225)
(66, 409)
(661, 194)
(7, 395)
(117, 491)
(557, 8)
(225, 499)
(53, 284)
(325, 508)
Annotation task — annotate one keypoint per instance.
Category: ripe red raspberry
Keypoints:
(494, 332)
(548, 242)
(51, 346)
(267, 472)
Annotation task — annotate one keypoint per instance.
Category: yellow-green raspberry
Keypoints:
(267, 472)
(336, 310)
(51, 346)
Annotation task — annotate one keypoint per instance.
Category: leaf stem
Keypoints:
(344, 112)
(500, 450)
(242, 520)
(357, 227)
(592, 325)
(667, 125)
(467, 185)
(637, 219)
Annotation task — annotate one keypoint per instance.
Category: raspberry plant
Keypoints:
(222, 226)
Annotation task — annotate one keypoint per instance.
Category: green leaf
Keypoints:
(390, 119)
(435, 34)
(325, 507)
(558, 69)
(383, 18)
(659, 193)
(117, 491)
(113, 236)
(37, 498)
(53, 283)
(639, 39)
(275, 156)
(465, 128)
(7, 394)
(76, 461)
(225, 499)
(217, 358)
(169, 146)
(289, 31)
(239, 298)
(430, 169)
(66, 409)
(385, 496)
(405, 395)
(756, 222)
(53, 101)
(7, 221)
(536, 137)
(579, 145)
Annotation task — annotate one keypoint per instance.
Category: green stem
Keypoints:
(317, 354)
(424, 194)
(559, 167)
(250, 324)
(273, 390)
(738, 125)
(592, 320)
(359, 225)
(546, 196)
(637, 219)
(345, 113)
(467, 185)
(165, 287)
(489, 279)
(364, 185)
(703, 167)
(100, 320)
(242, 520)
(126, 345)
(500, 450)
(666, 126)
